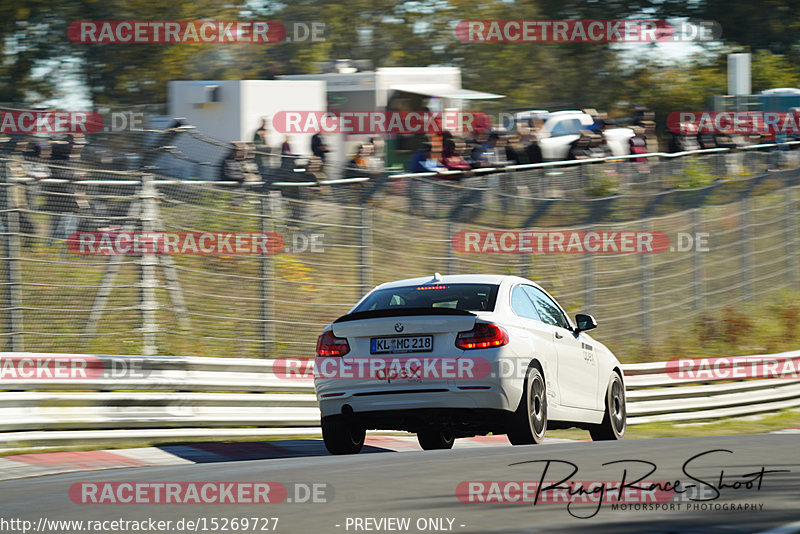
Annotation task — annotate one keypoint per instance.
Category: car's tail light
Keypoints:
(330, 345)
(483, 336)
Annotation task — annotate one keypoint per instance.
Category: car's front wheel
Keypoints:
(435, 438)
(342, 435)
(529, 423)
(614, 419)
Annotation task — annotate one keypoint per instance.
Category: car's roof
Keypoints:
(555, 114)
(494, 279)
(530, 113)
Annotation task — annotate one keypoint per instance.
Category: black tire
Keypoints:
(529, 423)
(614, 420)
(432, 439)
(342, 435)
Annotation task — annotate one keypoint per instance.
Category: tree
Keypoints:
(27, 39)
(767, 25)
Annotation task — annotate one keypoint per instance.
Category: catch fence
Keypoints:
(731, 239)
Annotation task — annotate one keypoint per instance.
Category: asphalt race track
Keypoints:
(422, 485)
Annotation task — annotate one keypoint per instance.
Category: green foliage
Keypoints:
(763, 327)
(728, 327)
(767, 25)
(603, 184)
(787, 316)
(696, 173)
(38, 57)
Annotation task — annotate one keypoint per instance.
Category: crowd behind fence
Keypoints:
(341, 237)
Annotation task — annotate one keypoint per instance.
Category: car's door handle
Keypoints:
(558, 336)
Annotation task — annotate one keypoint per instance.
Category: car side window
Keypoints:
(522, 305)
(566, 127)
(560, 128)
(547, 308)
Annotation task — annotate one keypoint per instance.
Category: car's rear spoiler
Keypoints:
(400, 312)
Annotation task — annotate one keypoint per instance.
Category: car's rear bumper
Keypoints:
(406, 398)
(462, 422)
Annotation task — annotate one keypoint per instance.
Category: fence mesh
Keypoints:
(340, 239)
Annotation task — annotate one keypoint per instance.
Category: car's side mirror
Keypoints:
(584, 322)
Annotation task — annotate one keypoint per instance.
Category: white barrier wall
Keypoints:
(172, 397)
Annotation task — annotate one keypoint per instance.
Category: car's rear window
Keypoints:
(467, 297)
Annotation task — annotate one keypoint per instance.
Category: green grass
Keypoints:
(758, 424)
(764, 327)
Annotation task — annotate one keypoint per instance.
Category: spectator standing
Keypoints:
(19, 191)
(423, 161)
(359, 165)
(238, 167)
(286, 147)
(62, 199)
(287, 159)
(647, 120)
(495, 150)
(637, 143)
(318, 146)
(453, 156)
(516, 151)
(532, 149)
(478, 155)
(231, 170)
(685, 139)
(262, 149)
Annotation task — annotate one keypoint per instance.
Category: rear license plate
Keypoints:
(400, 344)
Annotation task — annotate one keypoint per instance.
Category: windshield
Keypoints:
(466, 297)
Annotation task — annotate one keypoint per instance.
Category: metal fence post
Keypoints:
(697, 263)
(107, 285)
(588, 282)
(267, 223)
(525, 265)
(719, 165)
(452, 262)
(13, 295)
(791, 227)
(584, 178)
(747, 249)
(148, 262)
(647, 277)
(365, 249)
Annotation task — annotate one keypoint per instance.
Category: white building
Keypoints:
(232, 110)
(390, 89)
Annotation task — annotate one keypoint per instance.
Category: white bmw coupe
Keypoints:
(464, 355)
